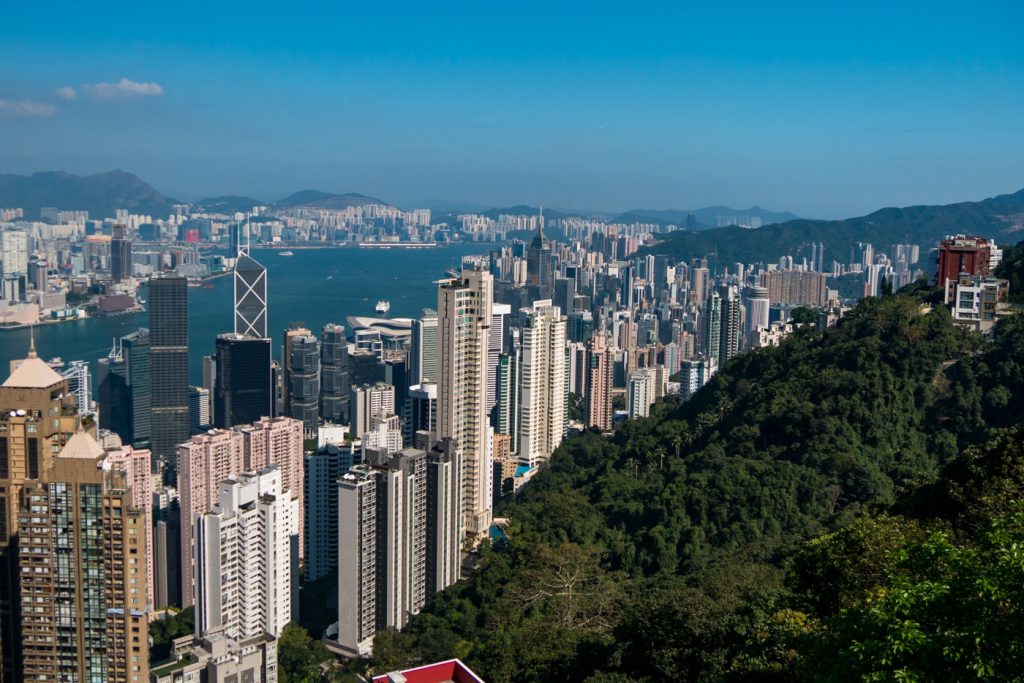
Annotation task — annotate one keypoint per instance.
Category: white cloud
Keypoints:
(26, 108)
(123, 89)
(66, 93)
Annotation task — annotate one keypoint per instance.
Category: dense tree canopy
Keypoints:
(739, 534)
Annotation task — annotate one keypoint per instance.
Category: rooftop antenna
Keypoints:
(32, 341)
(248, 234)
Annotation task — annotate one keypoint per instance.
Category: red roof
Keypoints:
(452, 671)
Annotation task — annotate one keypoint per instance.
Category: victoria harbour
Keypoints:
(313, 286)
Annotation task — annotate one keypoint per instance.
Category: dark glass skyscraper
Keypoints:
(538, 263)
(334, 378)
(124, 390)
(120, 254)
(242, 393)
(304, 381)
(250, 297)
(168, 338)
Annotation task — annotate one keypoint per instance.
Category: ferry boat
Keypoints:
(287, 253)
(383, 307)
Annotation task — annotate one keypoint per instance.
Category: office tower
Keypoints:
(357, 564)
(83, 560)
(14, 244)
(542, 382)
(538, 263)
(712, 326)
(250, 297)
(166, 548)
(286, 364)
(961, 254)
(368, 401)
(420, 411)
(210, 381)
(444, 516)
(303, 379)
(796, 288)
(394, 371)
(124, 393)
(464, 319)
(599, 394)
(641, 390)
(564, 293)
(28, 438)
(758, 305)
(168, 366)
(320, 518)
(242, 389)
(362, 367)
(79, 384)
(731, 327)
(580, 326)
(495, 346)
(243, 558)
(334, 378)
(120, 254)
(198, 408)
(423, 351)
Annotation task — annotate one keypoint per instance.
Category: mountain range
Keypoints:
(101, 194)
(1000, 217)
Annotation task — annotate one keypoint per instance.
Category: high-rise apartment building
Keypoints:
(37, 417)
(495, 347)
(367, 402)
(444, 516)
(82, 553)
(243, 558)
(217, 455)
(796, 287)
(290, 334)
(464, 319)
(731, 325)
(758, 307)
(242, 390)
(599, 383)
(712, 326)
(420, 411)
(14, 245)
(334, 375)
(542, 382)
(250, 297)
(136, 464)
(168, 348)
(320, 516)
(357, 565)
(641, 392)
(166, 548)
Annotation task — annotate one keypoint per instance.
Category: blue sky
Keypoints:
(823, 108)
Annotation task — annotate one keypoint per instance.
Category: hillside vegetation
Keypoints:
(748, 533)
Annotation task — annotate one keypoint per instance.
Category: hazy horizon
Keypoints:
(825, 112)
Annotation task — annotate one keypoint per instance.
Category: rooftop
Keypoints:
(451, 671)
(33, 373)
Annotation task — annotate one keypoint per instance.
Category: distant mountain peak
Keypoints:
(101, 194)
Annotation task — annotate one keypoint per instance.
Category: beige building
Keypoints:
(542, 392)
(599, 382)
(463, 321)
(216, 658)
(82, 554)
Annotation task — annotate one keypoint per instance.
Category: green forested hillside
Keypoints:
(667, 552)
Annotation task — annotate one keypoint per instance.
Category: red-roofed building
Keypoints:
(451, 671)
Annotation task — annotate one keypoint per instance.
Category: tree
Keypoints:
(299, 656)
(801, 315)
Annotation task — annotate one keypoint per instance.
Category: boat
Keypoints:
(286, 252)
(383, 307)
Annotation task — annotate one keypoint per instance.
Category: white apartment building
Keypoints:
(542, 393)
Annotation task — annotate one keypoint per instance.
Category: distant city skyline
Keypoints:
(822, 111)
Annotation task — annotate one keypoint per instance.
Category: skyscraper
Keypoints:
(250, 297)
(543, 391)
(29, 437)
(320, 514)
(334, 376)
(168, 339)
(758, 306)
(243, 558)
(303, 380)
(444, 516)
(124, 392)
(242, 390)
(120, 254)
(538, 263)
(464, 320)
(423, 351)
(599, 383)
(731, 327)
(420, 411)
(712, 327)
(367, 402)
(495, 347)
(83, 557)
(641, 388)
